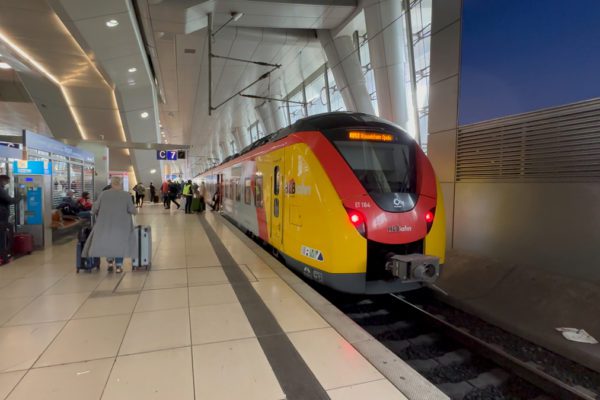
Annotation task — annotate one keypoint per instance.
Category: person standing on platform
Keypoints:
(140, 193)
(204, 195)
(5, 227)
(113, 235)
(188, 194)
(173, 192)
(164, 190)
(216, 200)
(152, 193)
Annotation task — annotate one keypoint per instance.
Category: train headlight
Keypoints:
(429, 217)
(358, 220)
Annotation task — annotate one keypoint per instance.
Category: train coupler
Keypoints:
(414, 267)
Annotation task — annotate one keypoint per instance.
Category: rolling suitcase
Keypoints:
(143, 233)
(22, 243)
(85, 263)
(196, 204)
(6, 240)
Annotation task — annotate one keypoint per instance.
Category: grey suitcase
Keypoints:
(143, 233)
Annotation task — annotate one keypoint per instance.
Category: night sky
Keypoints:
(525, 55)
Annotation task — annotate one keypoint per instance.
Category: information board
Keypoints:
(169, 155)
(29, 167)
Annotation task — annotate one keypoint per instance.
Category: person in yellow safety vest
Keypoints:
(188, 194)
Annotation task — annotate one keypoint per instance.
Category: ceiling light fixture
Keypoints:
(111, 23)
(132, 69)
(144, 114)
(131, 82)
(4, 65)
(152, 171)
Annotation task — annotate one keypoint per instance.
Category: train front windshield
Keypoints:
(381, 167)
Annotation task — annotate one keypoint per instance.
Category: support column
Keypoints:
(443, 101)
(241, 137)
(347, 71)
(388, 60)
(264, 113)
(278, 113)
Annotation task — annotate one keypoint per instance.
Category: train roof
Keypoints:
(332, 120)
(321, 122)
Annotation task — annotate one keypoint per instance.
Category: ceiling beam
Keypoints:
(107, 143)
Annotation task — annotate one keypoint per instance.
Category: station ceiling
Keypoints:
(77, 70)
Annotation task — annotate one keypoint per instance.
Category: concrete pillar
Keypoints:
(279, 113)
(388, 60)
(443, 100)
(240, 134)
(347, 71)
(265, 115)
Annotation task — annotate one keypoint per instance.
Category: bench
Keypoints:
(63, 226)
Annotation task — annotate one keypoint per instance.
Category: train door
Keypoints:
(277, 206)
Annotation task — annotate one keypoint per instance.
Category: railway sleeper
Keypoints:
(461, 356)
(456, 391)
(377, 330)
(367, 315)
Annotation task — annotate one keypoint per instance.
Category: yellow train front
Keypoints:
(347, 199)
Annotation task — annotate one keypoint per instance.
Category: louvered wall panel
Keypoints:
(557, 144)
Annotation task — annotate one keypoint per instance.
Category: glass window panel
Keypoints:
(337, 102)
(258, 191)
(247, 191)
(316, 97)
(76, 179)
(276, 180)
(60, 182)
(88, 180)
(365, 59)
(296, 110)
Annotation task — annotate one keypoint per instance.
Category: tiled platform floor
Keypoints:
(176, 332)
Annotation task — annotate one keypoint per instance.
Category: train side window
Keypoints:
(258, 191)
(276, 180)
(238, 190)
(247, 191)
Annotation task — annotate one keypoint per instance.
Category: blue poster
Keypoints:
(28, 167)
(33, 213)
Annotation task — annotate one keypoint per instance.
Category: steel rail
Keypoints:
(532, 374)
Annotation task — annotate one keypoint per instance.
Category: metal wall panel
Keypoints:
(553, 226)
(557, 145)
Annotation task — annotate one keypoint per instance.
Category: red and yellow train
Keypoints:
(347, 199)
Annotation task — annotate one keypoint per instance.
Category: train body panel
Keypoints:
(311, 195)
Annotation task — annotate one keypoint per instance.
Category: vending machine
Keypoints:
(34, 207)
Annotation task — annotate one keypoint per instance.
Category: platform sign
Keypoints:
(28, 167)
(169, 155)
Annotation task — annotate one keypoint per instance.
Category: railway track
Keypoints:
(461, 364)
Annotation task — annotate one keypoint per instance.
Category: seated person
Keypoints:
(69, 205)
(84, 205)
(84, 202)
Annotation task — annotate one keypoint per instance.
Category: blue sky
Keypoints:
(524, 55)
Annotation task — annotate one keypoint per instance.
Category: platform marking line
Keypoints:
(293, 374)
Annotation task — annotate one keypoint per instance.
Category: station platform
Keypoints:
(216, 318)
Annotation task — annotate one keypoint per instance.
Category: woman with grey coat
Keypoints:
(113, 234)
